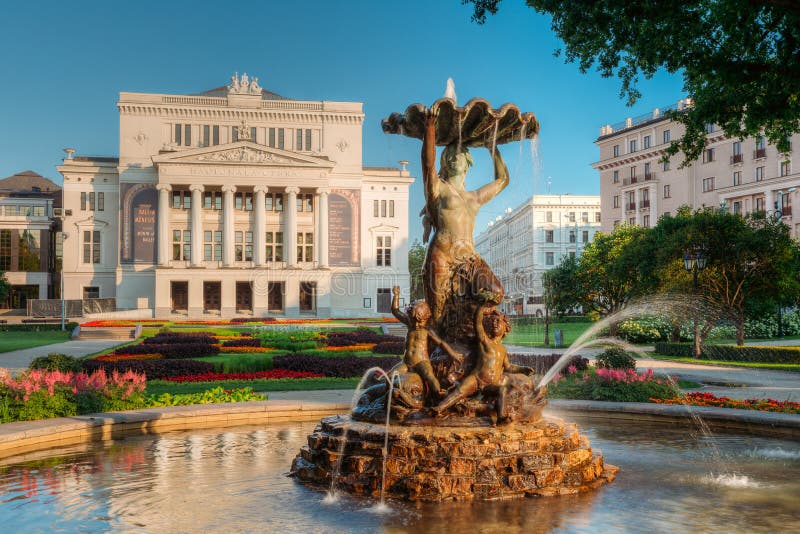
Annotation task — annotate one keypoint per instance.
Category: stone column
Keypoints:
(638, 197)
(227, 225)
(197, 224)
(654, 214)
(259, 254)
(290, 227)
(769, 201)
(321, 239)
(163, 224)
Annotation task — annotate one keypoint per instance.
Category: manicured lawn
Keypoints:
(532, 335)
(157, 387)
(793, 367)
(24, 340)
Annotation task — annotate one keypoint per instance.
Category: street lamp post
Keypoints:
(695, 262)
(64, 236)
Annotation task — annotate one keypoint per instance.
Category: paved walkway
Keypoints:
(18, 360)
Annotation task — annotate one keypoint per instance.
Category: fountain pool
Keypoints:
(670, 480)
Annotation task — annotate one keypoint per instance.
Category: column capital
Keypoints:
(164, 187)
(228, 188)
(196, 187)
(261, 189)
(293, 189)
(323, 190)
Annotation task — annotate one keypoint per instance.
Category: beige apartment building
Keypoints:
(236, 202)
(533, 238)
(636, 187)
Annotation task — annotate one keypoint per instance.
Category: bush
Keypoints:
(644, 330)
(733, 353)
(676, 350)
(174, 338)
(153, 369)
(615, 358)
(245, 363)
(56, 362)
(389, 347)
(33, 327)
(172, 351)
(292, 346)
(336, 366)
(613, 385)
(211, 396)
(288, 335)
(358, 337)
(243, 342)
(542, 364)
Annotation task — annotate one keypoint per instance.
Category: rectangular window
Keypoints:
(376, 208)
(248, 201)
(217, 200)
(737, 208)
(308, 296)
(5, 251)
(239, 246)
(391, 208)
(91, 292)
(632, 221)
(549, 258)
(548, 216)
(208, 245)
(383, 251)
(786, 168)
(206, 135)
(616, 150)
(308, 203)
(91, 201)
(708, 155)
(548, 236)
(761, 147)
(597, 216)
(616, 177)
(585, 216)
(760, 204)
(178, 129)
(666, 136)
(633, 174)
(278, 201)
(248, 246)
(646, 141)
(708, 184)
(280, 137)
(101, 201)
(646, 170)
(91, 246)
(383, 208)
(274, 241)
(218, 245)
(759, 174)
(572, 236)
(665, 165)
(187, 135)
(632, 146)
(83, 201)
(308, 140)
(272, 137)
(208, 200)
(234, 134)
(299, 139)
(305, 247)
(646, 221)
(177, 241)
(585, 236)
(710, 128)
(268, 203)
(253, 134)
(216, 135)
(737, 178)
(176, 200)
(238, 201)
(572, 216)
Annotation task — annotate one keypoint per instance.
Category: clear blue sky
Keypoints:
(64, 63)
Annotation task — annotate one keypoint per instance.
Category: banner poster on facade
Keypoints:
(343, 227)
(138, 229)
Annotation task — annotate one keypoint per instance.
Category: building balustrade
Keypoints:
(737, 158)
(644, 204)
(760, 153)
(649, 176)
(631, 206)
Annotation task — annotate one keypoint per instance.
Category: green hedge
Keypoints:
(531, 319)
(679, 350)
(33, 327)
(733, 353)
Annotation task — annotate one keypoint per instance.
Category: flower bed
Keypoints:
(172, 351)
(389, 347)
(244, 350)
(178, 338)
(359, 347)
(124, 356)
(358, 337)
(542, 364)
(271, 374)
(335, 366)
(709, 399)
(242, 342)
(612, 385)
(153, 369)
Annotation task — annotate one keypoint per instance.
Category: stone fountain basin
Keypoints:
(474, 124)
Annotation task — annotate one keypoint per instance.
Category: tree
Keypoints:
(608, 271)
(416, 259)
(560, 290)
(740, 59)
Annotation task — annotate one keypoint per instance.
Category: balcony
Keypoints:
(648, 176)
(644, 203)
(630, 206)
(737, 158)
(629, 181)
(760, 153)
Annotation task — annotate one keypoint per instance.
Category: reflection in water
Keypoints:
(235, 480)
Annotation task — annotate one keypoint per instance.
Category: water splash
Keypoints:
(777, 453)
(519, 156)
(536, 162)
(385, 451)
(331, 496)
(450, 90)
(730, 481)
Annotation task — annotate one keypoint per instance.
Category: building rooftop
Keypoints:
(27, 182)
(222, 91)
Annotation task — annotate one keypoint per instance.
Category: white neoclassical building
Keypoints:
(533, 238)
(236, 202)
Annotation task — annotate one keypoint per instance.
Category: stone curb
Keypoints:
(28, 436)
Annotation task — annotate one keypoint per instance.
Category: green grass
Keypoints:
(533, 335)
(25, 340)
(792, 367)
(157, 387)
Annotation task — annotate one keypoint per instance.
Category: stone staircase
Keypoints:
(122, 333)
(395, 329)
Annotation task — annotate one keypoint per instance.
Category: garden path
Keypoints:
(17, 361)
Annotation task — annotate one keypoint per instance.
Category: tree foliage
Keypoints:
(5, 287)
(416, 259)
(560, 288)
(740, 59)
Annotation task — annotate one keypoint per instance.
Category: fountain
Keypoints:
(457, 420)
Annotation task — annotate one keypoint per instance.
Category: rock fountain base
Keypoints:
(436, 463)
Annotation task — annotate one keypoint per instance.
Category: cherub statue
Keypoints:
(245, 83)
(415, 356)
(255, 89)
(490, 375)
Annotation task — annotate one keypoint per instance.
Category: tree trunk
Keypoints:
(675, 334)
(546, 328)
(697, 349)
(612, 329)
(740, 329)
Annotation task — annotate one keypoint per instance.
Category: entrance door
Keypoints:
(384, 300)
(244, 296)
(275, 297)
(212, 296)
(308, 297)
(179, 292)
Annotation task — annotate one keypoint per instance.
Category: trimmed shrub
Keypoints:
(336, 366)
(152, 369)
(613, 385)
(677, 350)
(615, 358)
(644, 330)
(34, 327)
(174, 338)
(733, 353)
(56, 362)
(389, 347)
(243, 342)
(542, 364)
(358, 337)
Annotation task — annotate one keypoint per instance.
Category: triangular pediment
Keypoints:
(243, 153)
